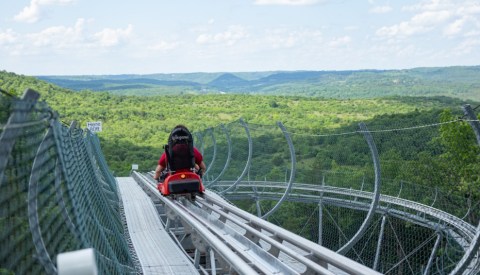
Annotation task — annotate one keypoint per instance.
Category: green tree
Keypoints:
(462, 155)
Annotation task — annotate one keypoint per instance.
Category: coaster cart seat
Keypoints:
(180, 176)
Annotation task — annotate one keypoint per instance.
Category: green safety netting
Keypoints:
(56, 193)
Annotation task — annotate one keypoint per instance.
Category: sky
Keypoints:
(97, 37)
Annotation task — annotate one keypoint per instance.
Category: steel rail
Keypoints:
(215, 243)
(467, 229)
(460, 230)
(463, 234)
(323, 254)
(350, 204)
(356, 205)
(270, 240)
(260, 258)
(248, 249)
(266, 262)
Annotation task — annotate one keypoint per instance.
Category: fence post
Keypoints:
(214, 151)
(293, 162)
(80, 262)
(229, 155)
(376, 195)
(249, 159)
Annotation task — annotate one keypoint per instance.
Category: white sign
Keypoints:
(95, 126)
(134, 166)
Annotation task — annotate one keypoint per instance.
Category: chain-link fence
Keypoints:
(56, 193)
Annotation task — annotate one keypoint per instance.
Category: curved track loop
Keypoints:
(246, 241)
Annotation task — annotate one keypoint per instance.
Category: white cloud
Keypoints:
(448, 17)
(468, 46)
(420, 23)
(381, 9)
(431, 18)
(54, 2)
(351, 28)
(72, 40)
(471, 8)
(33, 12)
(164, 46)
(7, 37)
(466, 21)
(455, 27)
(59, 36)
(29, 14)
(287, 2)
(430, 22)
(401, 29)
(472, 33)
(284, 38)
(339, 42)
(228, 37)
(112, 37)
(432, 5)
(204, 38)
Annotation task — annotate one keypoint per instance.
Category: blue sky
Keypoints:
(76, 37)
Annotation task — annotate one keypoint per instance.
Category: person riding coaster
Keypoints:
(180, 168)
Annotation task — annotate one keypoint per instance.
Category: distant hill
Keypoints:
(229, 82)
(135, 128)
(460, 82)
(113, 83)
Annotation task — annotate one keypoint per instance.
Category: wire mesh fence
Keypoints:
(416, 226)
(383, 205)
(55, 193)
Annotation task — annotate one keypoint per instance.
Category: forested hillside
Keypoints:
(135, 128)
(457, 82)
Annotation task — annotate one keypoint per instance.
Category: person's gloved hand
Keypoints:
(163, 176)
(200, 172)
